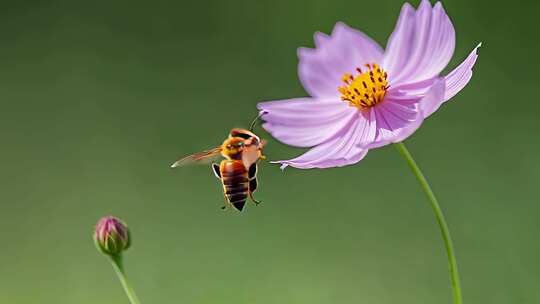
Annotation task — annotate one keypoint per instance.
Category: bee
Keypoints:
(242, 151)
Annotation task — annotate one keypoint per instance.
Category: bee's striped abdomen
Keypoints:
(234, 177)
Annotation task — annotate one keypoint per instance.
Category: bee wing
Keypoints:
(197, 157)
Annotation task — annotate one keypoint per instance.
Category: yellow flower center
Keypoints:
(365, 89)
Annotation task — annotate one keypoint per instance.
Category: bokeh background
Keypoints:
(99, 97)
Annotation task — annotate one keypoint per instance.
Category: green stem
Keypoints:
(116, 261)
(452, 264)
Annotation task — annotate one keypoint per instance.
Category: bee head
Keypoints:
(249, 137)
(232, 147)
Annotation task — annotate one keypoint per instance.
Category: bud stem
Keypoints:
(445, 232)
(116, 261)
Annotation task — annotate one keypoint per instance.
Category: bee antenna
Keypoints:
(252, 125)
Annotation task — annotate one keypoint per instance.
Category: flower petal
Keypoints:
(460, 76)
(399, 118)
(454, 82)
(305, 122)
(407, 90)
(398, 48)
(320, 69)
(421, 45)
(340, 151)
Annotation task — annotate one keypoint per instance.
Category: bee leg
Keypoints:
(224, 207)
(256, 202)
(227, 203)
(215, 168)
(253, 186)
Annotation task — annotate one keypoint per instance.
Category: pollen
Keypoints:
(366, 89)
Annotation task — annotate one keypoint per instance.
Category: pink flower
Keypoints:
(364, 97)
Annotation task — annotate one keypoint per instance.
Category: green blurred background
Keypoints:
(99, 97)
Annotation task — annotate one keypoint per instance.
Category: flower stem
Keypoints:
(116, 261)
(452, 264)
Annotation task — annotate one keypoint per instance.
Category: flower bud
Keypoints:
(111, 236)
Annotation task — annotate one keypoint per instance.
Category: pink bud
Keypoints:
(111, 236)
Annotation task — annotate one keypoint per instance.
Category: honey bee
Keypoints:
(242, 151)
